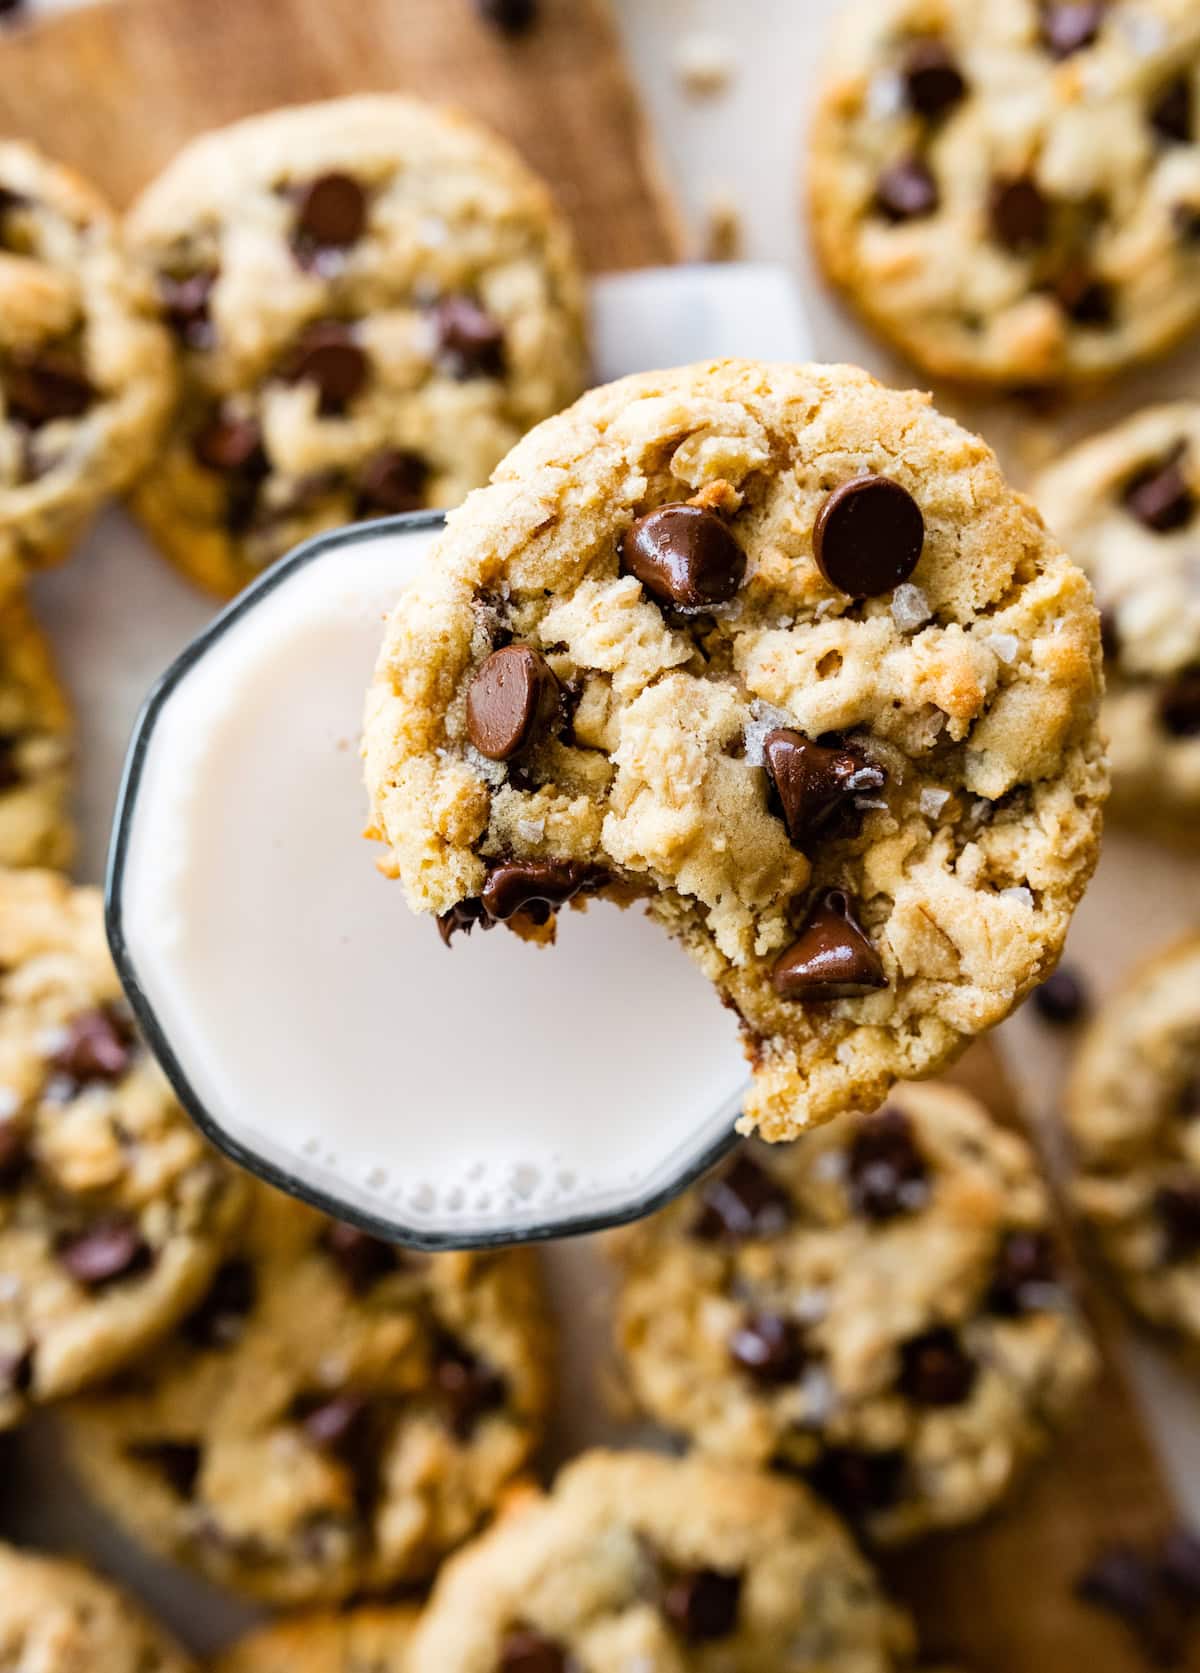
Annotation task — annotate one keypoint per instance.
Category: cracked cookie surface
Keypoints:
(1010, 192)
(373, 299)
(878, 1308)
(779, 651)
(1127, 506)
(359, 1641)
(58, 1617)
(36, 743)
(334, 1416)
(113, 1211)
(665, 1565)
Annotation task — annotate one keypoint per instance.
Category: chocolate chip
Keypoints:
(1146, 1592)
(44, 387)
(685, 556)
(331, 215)
(467, 1387)
(220, 1319)
(511, 696)
(392, 482)
(1026, 1269)
(886, 1174)
(907, 191)
(10, 767)
(515, 885)
(1062, 998)
(16, 1371)
(1086, 300)
(333, 1423)
(868, 537)
(1172, 115)
(831, 959)
(1179, 705)
(812, 782)
(463, 915)
(1020, 214)
(702, 1605)
(105, 1251)
(1110, 635)
(470, 340)
(935, 1371)
(1178, 1211)
(1071, 25)
(1179, 1562)
(99, 1046)
(185, 302)
(231, 446)
(1121, 1580)
(743, 1202)
(177, 1461)
(514, 17)
(1161, 497)
(14, 1153)
(769, 1347)
(933, 81)
(328, 356)
(363, 1260)
(859, 1484)
(527, 1651)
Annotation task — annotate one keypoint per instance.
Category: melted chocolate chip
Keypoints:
(231, 446)
(832, 957)
(515, 885)
(513, 17)
(14, 1153)
(470, 340)
(104, 1252)
(1062, 998)
(334, 1423)
(743, 1202)
(185, 302)
(220, 1319)
(685, 556)
(868, 537)
(328, 356)
(510, 698)
(1178, 1210)
(1085, 299)
(392, 482)
(886, 1175)
(178, 1462)
(702, 1605)
(1179, 705)
(813, 782)
(527, 1651)
(770, 1348)
(1161, 497)
(99, 1046)
(16, 1372)
(907, 191)
(1026, 1268)
(463, 915)
(1070, 25)
(331, 215)
(933, 81)
(468, 1388)
(363, 1260)
(44, 387)
(859, 1484)
(1172, 115)
(1020, 214)
(935, 1371)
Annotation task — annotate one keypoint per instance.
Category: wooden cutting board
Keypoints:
(114, 90)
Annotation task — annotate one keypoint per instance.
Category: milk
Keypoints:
(321, 1029)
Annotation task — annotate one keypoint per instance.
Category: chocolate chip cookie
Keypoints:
(113, 1211)
(57, 1617)
(333, 1416)
(1133, 1116)
(777, 650)
(1127, 506)
(1011, 193)
(879, 1309)
(372, 300)
(637, 1561)
(36, 738)
(360, 1641)
(85, 368)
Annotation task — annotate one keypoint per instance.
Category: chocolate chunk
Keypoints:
(702, 1605)
(14, 1153)
(769, 1347)
(1062, 998)
(514, 17)
(1085, 299)
(886, 1175)
(812, 781)
(1161, 497)
(1026, 1269)
(868, 537)
(1179, 705)
(932, 79)
(220, 1319)
(231, 446)
(515, 885)
(1172, 115)
(470, 340)
(44, 387)
(1178, 1210)
(468, 1388)
(328, 356)
(392, 482)
(105, 1251)
(907, 191)
(185, 302)
(16, 1372)
(527, 1651)
(742, 1202)
(935, 1371)
(685, 556)
(1070, 25)
(1020, 214)
(334, 1423)
(331, 215)
(511, 696)
(99, 1046)
(463, 915)
(363, 1260)
(178, 1462)
(859, 1484)
(831, 959)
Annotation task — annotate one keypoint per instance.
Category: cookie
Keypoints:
(879, 1309)
(664, 1565)
(86, 373)
(778, 651)
(1010, 192)
(334, 1417)
(372, 299)
(1127, 506)
(36, 742)
(362, 1641)
(1133, 1117)
(114, 1213)
(57, 1617)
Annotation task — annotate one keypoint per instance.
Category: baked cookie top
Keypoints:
(879, 1308)
(334, 1416)
(1009, 190)
(36, 743)
(372, 298)
(1133, 1117)
(664, 1565)
(1127, 506)
(778, 650)
(360, 1641)
(85, 369)
(113, 1211)
(57, 1617)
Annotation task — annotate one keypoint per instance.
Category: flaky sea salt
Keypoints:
(1022, 894)
(933, 799)
(1003, 645)
(763, 719)
(885, 95)
(531, 830)
(910, 607)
